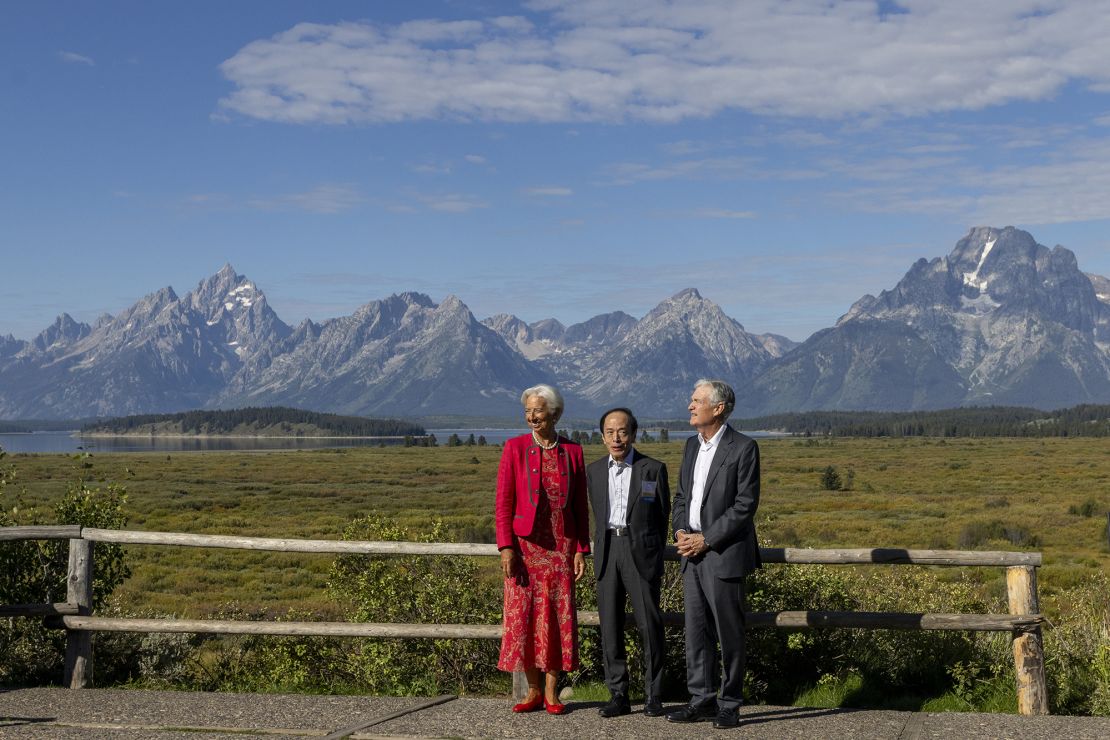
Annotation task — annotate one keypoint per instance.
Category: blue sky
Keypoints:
(542, 158)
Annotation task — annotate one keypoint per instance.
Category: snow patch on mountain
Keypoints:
(972, 278)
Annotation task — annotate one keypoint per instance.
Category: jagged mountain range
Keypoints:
(999, 320)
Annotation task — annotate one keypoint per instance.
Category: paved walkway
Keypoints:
(170, 715)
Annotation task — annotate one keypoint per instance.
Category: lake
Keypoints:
(71, 442)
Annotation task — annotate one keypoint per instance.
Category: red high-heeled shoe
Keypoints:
(529, 706)
(555, 708)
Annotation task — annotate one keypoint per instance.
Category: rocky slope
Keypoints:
(999, 320)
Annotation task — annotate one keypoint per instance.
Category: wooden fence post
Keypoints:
(1021, 591)
(520, 686)
(79, 668)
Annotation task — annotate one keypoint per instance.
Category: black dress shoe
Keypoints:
(653, 708)
(690, 713)
(617, 706)
(726, 719)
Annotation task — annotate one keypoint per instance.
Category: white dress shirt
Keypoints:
(620, 478)
(701, 474)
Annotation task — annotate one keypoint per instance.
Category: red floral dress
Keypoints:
(541, 622)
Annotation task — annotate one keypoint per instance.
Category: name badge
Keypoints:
(647, 491)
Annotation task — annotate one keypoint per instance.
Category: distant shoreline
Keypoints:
(148, 435)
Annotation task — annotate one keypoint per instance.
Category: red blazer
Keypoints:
(518, 491)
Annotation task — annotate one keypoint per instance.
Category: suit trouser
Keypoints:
(714, 611)
(621, 576)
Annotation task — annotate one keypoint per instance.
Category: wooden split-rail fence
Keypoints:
(1023, 622)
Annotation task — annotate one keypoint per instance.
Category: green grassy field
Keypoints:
(1050, 495)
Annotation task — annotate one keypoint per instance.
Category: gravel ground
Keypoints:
(169, 715)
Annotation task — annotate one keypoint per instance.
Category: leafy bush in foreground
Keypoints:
(34, 571)
(904, 662)
(1077, 648)
(424, 589)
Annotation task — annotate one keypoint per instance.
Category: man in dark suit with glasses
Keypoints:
(631, 502)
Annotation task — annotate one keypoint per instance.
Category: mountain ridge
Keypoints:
(999, 319)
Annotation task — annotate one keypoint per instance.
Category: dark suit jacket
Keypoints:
(647, 522)
(728, 505)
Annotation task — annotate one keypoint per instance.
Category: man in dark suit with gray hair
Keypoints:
(714, 524)
(631, 501)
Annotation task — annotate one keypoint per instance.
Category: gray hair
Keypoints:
(550, 394)
(721, 393)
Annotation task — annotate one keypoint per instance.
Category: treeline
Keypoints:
(275, 417)
(25, 426)
(1086, 420)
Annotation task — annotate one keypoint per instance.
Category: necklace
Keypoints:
(537, 440)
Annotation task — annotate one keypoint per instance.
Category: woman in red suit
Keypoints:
(543, 534)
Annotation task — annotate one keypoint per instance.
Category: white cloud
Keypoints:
(1075, 187)
(721, 213)
(452, 202)
(549, 191)
(1068, 183)
(74, 58)
(627, 173)
(686, 147)
(799, 139)
(323, 199)
(475, 159)
(207, 201)
(656, 60)
(432, 168)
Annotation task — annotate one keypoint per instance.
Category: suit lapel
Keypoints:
(689, 459)
(718, 460)
(634, 485)
(602, 487)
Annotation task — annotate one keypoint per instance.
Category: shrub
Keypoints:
(155, 660)
(1077, 648)
(35, 571)
(423, 589)
(1086, 509)
(830, 479)
(979, 533)
(888, 662)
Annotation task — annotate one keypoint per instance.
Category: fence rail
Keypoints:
(1024, 621)
(857, 556)
(783, 619)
